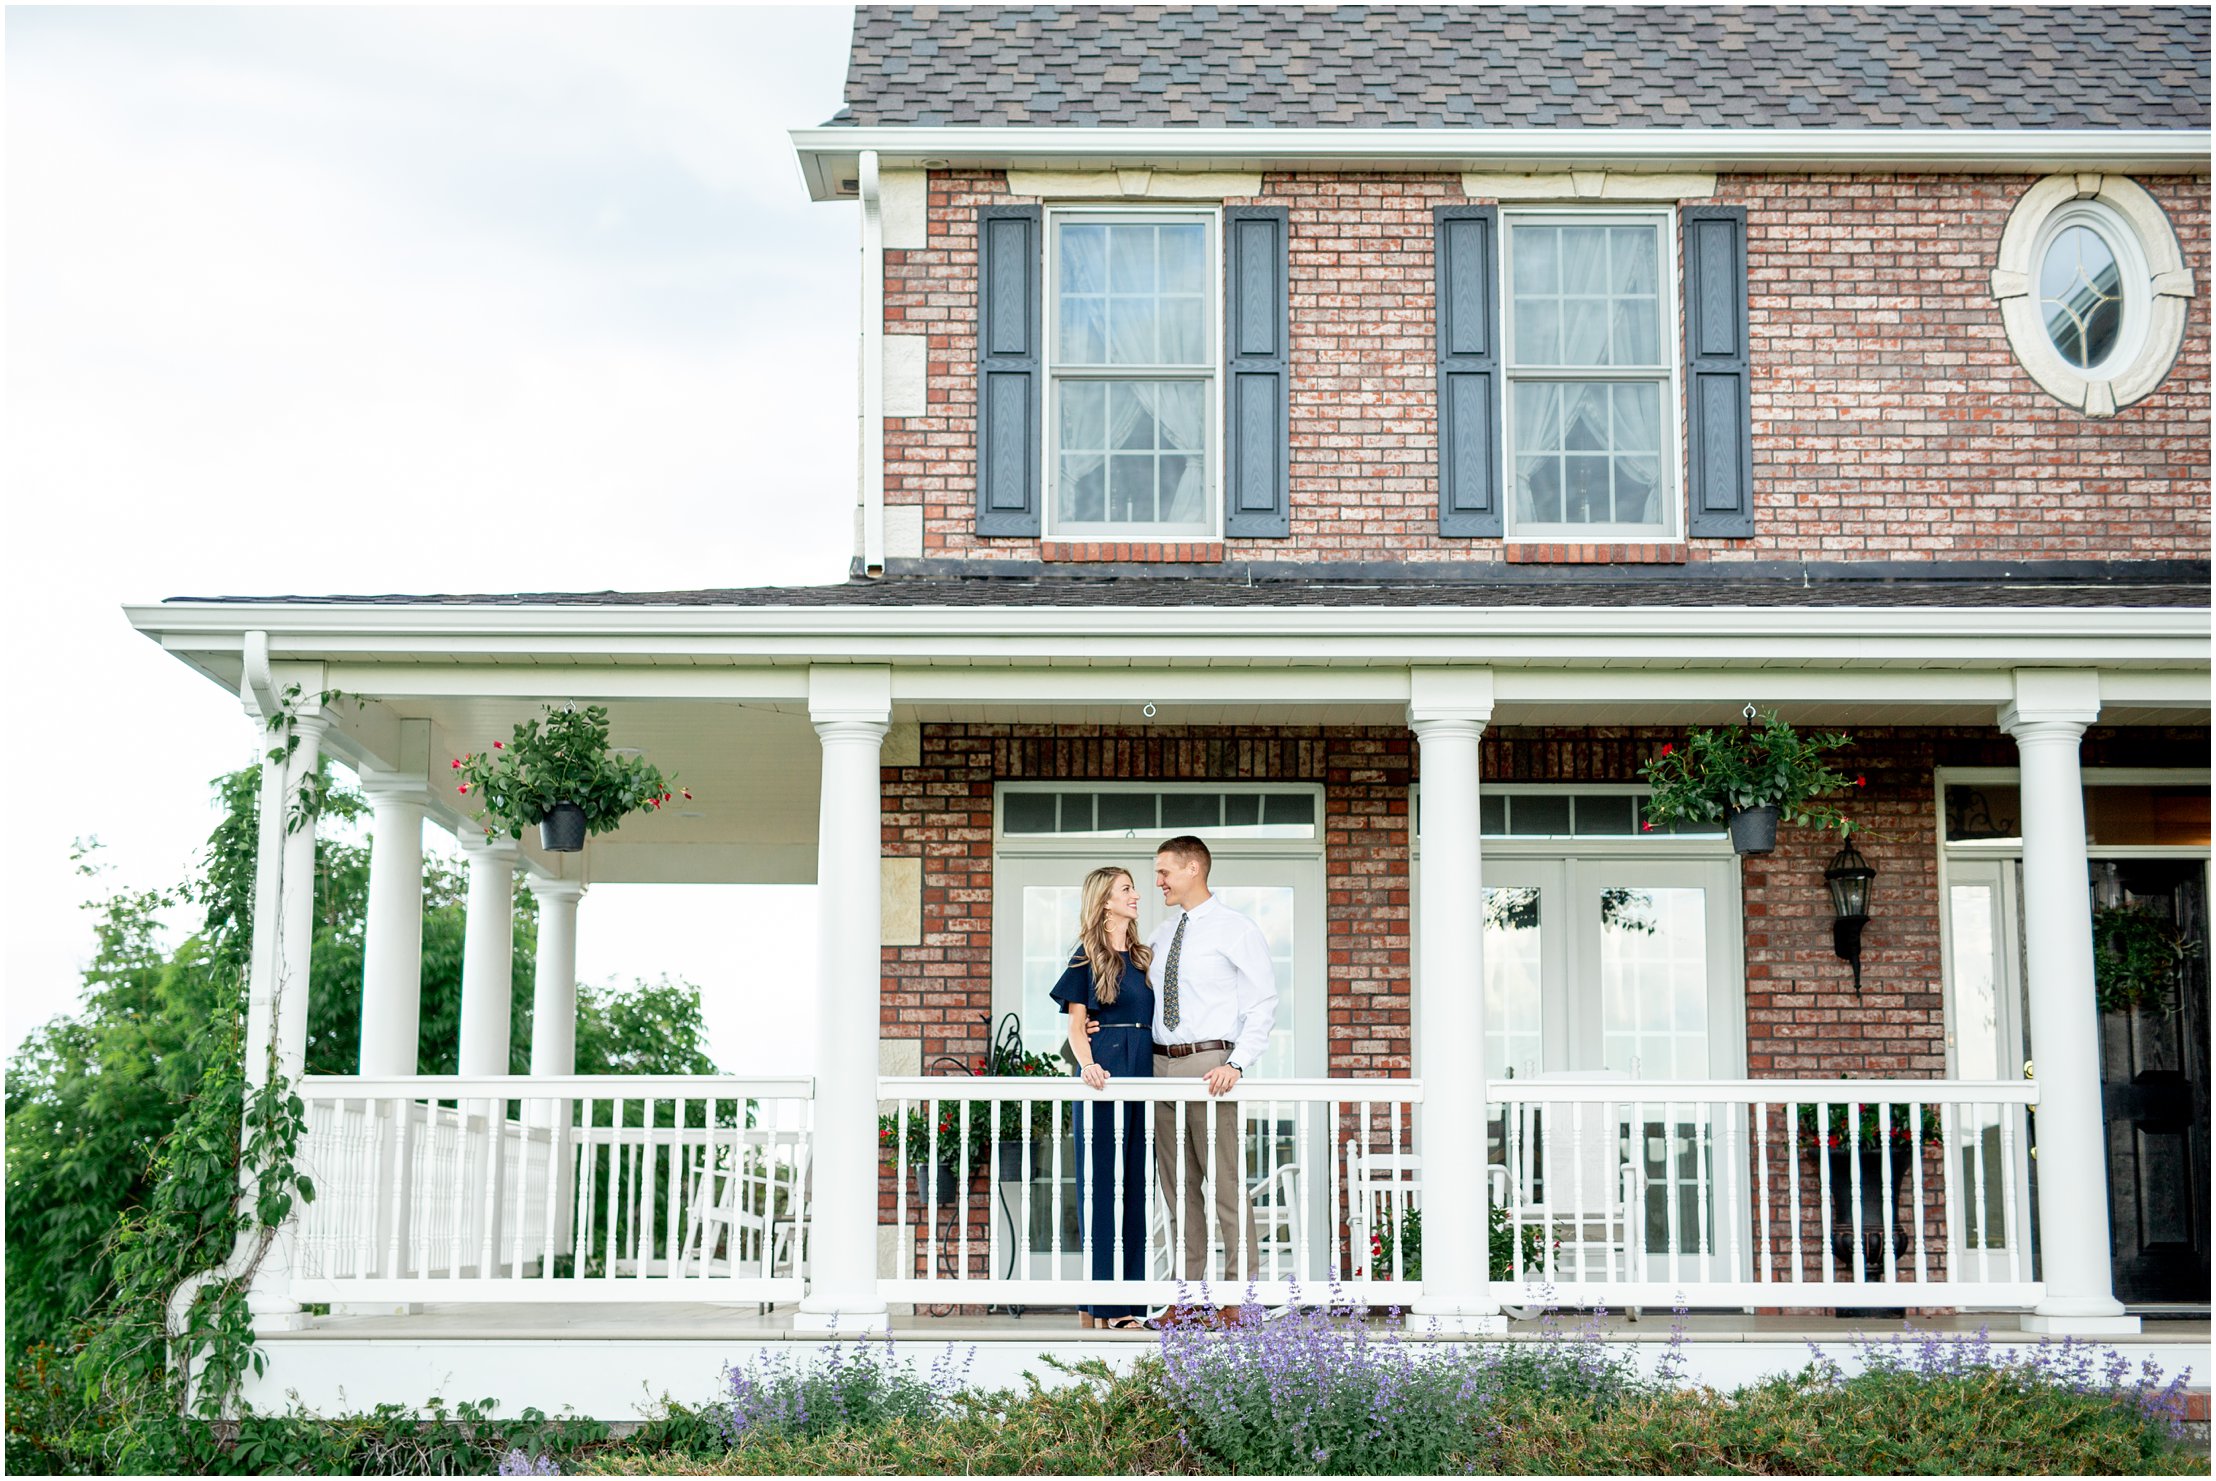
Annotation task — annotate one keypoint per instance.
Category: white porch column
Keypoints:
(851, 708)
(554, 985)
(1448, 710)
(392, 935)
(2048, 717)
(488, 955)
(298, 905)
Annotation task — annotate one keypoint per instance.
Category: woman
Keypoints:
(1106, 984)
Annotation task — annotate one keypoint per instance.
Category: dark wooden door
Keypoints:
(2155, 1100)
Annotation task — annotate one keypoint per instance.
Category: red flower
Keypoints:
(1668, 747)
(688, 795)
(1861, 781)
(499, 745)
(457, 765)
(1646, 827)
(463, 789)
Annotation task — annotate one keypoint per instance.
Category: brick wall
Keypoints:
(1803, 1016)
(1891, 420)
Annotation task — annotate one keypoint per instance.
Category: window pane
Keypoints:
(1242, 809)
(1128, 810)
(1612, 435)
(1538, 331)
(1535, 249)
(1084, 407)
(1178, 410)
(1512, 1022)
(1082, 489)
(1584, 331)
(1077, 811)
(1604, 814)
(2081, 292)
(1084, 331)
(1184, 332)
(1192, 809)
(1131, 488)
(1182, 502)
(1538, 815)
(1538, 490)
(1131, 259)
(1585, 418)
(1084, 252)
(1538, 412)
(1492, 814)
(1294, 808)
(1638, 333)
(1586, 496)
(1631, 259)
(1132, 331)
(1027, 812)
(1184, 258)
(1584, 259)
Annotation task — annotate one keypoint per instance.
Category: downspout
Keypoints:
(873, 370)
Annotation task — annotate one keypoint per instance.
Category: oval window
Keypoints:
(2092, 289)
(2081, 294)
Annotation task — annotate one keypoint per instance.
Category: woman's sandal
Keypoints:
(1126, 1324)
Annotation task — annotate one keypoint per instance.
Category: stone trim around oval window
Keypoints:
(2163, 292)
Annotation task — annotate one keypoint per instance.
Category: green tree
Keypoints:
(93, 1097)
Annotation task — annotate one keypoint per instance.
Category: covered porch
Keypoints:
(446, 1199)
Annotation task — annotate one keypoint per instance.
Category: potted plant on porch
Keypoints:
(1749, 777)
(561, 774)
(1859, 1158)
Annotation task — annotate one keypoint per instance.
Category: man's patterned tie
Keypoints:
(1169, 976)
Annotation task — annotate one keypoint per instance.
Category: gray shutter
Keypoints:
(1011, 374)
(1719, 399)
(1257, 372)
(1466, 249)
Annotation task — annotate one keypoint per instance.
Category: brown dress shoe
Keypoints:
(1227, 1316)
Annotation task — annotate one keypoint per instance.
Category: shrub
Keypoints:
(845, 1388)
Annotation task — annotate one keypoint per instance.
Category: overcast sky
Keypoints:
(401, 300)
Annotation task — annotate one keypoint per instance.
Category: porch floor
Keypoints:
(707, 1321)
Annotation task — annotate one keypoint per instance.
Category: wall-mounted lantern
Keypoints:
(1848, 876)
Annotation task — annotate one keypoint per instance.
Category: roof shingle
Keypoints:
(1860, 66)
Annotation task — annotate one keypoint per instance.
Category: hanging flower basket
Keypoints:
(1750, 778)
(560, 775)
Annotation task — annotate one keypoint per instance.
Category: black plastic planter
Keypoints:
(562, 830)
(1754, 830)
(1880, 1206)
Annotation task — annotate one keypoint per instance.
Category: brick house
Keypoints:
(1273, 434)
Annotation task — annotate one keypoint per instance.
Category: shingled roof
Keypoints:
(1853, 66)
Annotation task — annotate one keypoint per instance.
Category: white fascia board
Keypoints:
(1194, 636)
(831, 156)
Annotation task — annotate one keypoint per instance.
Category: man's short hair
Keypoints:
(1188, 848)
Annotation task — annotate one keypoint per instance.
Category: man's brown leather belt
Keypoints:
(1179, 1051)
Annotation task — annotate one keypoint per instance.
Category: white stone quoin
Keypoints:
(1448, 710)
(2048, 717)
(851, 708)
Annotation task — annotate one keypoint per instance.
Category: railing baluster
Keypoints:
(1888, 1216)
(1763, 1213)
(1574, 1166)
(611, 1251)
(1922, 1243)
(1824, 1255)
(1055, 1110)
(513, 1206)
(2007, 1114)
(1957, 1212)
(1304, 1175)
(1026, 1169)
(963, 1172)
(1859, 1263)
(1672, 1233)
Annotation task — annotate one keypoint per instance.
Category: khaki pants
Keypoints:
(1201, 1140)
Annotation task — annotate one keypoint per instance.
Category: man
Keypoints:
(1215, 999)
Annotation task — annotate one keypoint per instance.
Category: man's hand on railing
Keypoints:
(1222, 1078)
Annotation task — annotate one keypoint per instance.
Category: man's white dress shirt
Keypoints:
(1226, 985)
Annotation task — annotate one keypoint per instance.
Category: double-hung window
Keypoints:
(1131, 358)
(1591, 376)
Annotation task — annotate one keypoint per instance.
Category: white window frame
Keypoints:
(2131, 270)
(1211, 374)
(1671, 454)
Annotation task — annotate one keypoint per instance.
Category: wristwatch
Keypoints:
(1233, 1064)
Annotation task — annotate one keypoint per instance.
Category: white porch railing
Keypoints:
(1613, 1192)
(571, 1188)
(993, 1201)
(1766, 1192)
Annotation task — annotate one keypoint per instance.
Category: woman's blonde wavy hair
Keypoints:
(1092, 934)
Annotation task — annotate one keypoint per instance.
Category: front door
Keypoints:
(2155, 1096)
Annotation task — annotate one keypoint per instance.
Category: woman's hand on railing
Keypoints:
(1096, 1076)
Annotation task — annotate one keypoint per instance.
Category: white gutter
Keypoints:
(873, 368)
(299, 622)
(830, 157)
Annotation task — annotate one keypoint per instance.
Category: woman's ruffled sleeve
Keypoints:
(1075, 984)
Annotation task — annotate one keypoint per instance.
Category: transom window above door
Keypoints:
(1078, 811)
(1592, 404)
(1131, 349)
